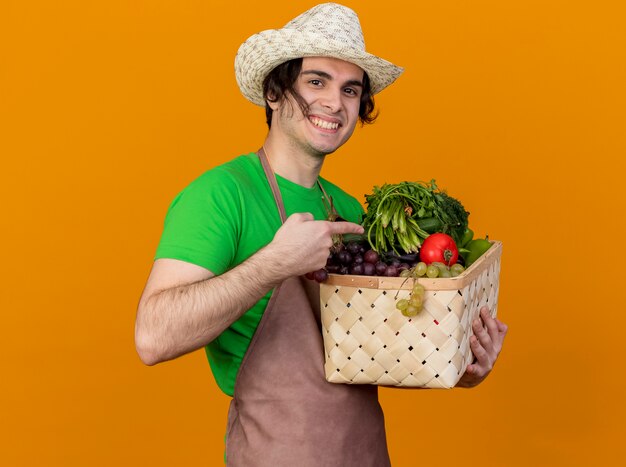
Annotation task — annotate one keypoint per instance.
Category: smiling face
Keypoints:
(332, 89)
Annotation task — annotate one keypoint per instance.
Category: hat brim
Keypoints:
(264, 51)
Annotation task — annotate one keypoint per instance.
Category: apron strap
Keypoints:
(271, 178)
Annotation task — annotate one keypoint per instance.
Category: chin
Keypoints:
(322, 148)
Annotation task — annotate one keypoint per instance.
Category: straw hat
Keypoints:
(326, 30)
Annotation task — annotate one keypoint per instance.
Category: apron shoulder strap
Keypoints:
(271, 178)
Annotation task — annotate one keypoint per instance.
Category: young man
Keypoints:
(236, 242)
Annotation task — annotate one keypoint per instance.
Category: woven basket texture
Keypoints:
(368, 341)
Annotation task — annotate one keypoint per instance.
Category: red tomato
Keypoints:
(439, 247)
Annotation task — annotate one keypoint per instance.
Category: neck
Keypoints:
(293, 163)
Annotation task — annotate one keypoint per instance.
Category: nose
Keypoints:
(331, 99)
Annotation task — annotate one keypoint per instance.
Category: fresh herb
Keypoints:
(400, 216)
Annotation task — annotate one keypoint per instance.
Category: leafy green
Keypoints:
(400, 216)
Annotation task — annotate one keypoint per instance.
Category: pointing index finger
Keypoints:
(345, 228)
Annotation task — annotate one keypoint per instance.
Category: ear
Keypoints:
(273, 104)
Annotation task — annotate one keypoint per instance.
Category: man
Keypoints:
(236, 242)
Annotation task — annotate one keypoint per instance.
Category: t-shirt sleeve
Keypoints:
(203, 223)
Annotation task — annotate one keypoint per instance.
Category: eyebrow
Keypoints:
(323, 74)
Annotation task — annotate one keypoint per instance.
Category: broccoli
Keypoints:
(453, 216)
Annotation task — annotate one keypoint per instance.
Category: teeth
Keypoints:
(324, 124)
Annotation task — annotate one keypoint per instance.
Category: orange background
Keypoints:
(108, 109)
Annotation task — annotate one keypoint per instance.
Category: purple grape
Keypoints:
(344, 270)
(381, 268)
(369, 269)
(357, 269)
(344, 257)
(320, 275)
(370, 256)
(332, 268)
(392, 271)
(353, 248)
(358, 259)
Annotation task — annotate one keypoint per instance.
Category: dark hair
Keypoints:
(281, 80)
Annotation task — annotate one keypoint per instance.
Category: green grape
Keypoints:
(418, 289)
(445, 273)
(432, 271)
(411, 311)
(417, 301)
(456, 269)
(402, 304)
(405, 273)
(420, 268)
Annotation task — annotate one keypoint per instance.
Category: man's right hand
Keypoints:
(303, 244)
(184, 306)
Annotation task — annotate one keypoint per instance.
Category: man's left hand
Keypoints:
(486, 344)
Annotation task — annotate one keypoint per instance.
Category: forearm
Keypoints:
(179, 320)
(181, 312)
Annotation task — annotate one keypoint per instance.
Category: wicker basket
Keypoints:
(368, 341)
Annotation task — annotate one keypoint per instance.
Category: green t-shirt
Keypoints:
(224, 217)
